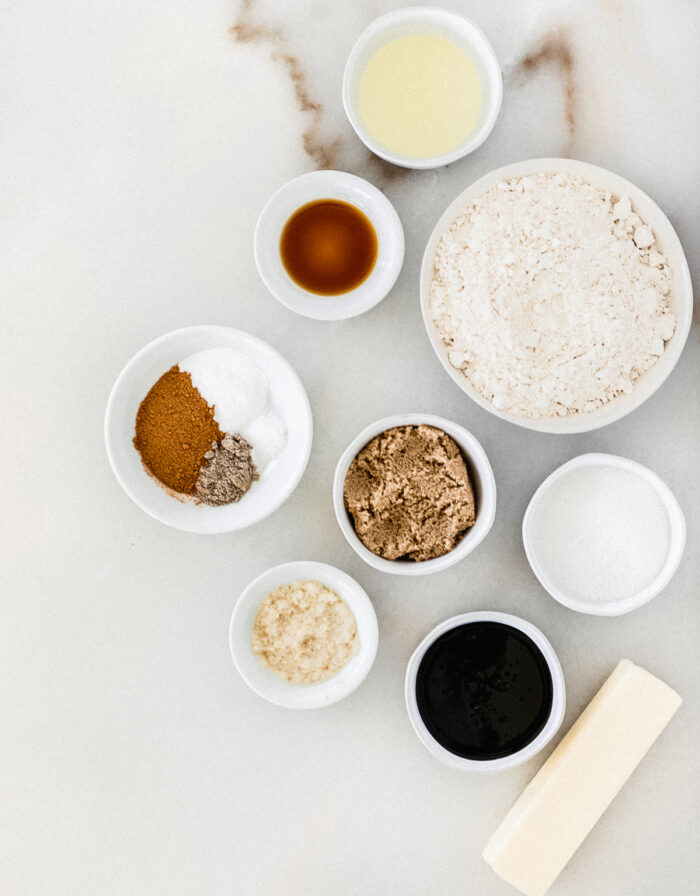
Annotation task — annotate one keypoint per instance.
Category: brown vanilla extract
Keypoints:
(328, 247)
(484, 690)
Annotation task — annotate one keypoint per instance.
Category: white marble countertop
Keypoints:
(141, 141)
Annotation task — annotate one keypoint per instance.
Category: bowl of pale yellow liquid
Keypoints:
(422, 87)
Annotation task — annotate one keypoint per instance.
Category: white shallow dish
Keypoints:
(681, 298)
(329, 185)
(431, 20)
(261, 679)
(551, 726)
(482, 479)
(676, 547)
(280, 478)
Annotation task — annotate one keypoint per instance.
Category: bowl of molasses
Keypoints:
(485, 691)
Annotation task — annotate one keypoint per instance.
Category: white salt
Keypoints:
(600, 533)
(267, 434)
(237, 388)
(231, 382)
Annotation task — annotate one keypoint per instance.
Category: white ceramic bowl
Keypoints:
(681, 298)
(329, 185)
(551, 726)
(481, 476)
(676, 547)
(430, 20)
(287, 396)
(261, 679)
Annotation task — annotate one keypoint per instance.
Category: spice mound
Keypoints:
(229, 471)
(206, 428)
(551, 296)
(304, 632)
(175, 428)
(409, 494)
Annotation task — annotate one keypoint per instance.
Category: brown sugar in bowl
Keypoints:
(480, 474)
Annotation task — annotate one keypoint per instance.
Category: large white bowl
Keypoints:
(480, 473)
(312, 187)
(287, 396)
(261, 679)
(425, 20)
(681, 298)
(675, 550)
(556, 713)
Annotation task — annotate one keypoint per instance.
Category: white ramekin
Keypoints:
(552, 724)
(287, 396)
(261, 679)
(431, 20)
(483, 483)
(348, 188)
(676, 547)
(680, 298)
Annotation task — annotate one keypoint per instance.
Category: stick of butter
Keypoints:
(565, 799)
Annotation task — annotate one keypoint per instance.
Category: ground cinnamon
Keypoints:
(175, 427)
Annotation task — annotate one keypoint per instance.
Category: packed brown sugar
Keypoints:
(409, 494)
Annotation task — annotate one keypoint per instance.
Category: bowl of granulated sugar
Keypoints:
(604, 534)
(556, 294)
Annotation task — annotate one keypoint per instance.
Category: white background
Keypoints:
(139, 143)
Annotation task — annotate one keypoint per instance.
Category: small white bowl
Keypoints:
(287, 396)
(348, 188)
(482, 480)
(676, 547)
(261, 679)
(681, 297)
(452, 27)
(551, 726)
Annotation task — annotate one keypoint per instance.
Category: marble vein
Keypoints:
(324, 152)
(555, 52)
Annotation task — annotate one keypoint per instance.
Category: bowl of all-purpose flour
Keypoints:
(556, 294)
(208, 429)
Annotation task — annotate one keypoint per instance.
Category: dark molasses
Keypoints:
(484, 690)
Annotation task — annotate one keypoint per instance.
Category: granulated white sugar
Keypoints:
(268, 435)
(600, 533)
(231, 382)
(238, 390)
(551, 295)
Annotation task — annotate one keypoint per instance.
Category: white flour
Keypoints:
(551, 295)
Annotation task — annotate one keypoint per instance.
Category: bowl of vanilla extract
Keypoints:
(485, 691)
(329, 245)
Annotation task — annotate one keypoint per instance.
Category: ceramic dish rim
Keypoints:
(650, 381)
(479, 461)
(458, 24)
(325, 693)
(554, 719)
(110, 427)
(330, 184)
(676, 548)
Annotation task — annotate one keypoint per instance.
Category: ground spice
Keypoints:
(175, 428)
(229, 472)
